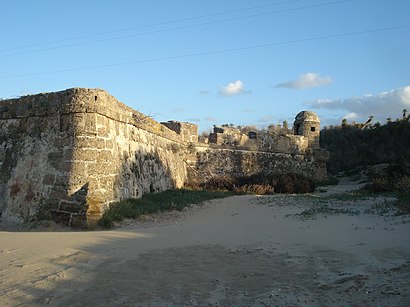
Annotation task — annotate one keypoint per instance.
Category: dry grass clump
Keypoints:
(258, 189)
(218, 183)
(293, 183)
(260, 184)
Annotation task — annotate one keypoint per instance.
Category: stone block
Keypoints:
(4, 109)
(103, 131)
(101, 120)
(54, 159)
(106, 182)
(66, 122)
(85, 154)
(7, 115)
(62, 141)
(89, 142)
(21, 111)
(68, 153)
(109, 144)
(41, 111)
(72, 207)
(61, 217)
(90, 122)
(79, 168)
(79, 221)
(49, 179)
(104, 156)
(103, 168)
(62, 182)
(64, 167)
(57, 195)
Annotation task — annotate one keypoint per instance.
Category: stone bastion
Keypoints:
(68, 155)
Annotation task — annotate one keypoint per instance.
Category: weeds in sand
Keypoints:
(355, 195)
(324, 209)
(397, 207)
(156, 202)
(382, 208)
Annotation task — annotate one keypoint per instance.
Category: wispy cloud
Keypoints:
(307, 80)
(211, 119)
(234, 88)
(193, 120)
(178, 110)
(204, 92)
(265, 119)
(248, 111)
(381, 106)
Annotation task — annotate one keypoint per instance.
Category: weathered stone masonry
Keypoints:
(68, 155)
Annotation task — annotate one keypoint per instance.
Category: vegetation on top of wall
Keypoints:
(352, 145)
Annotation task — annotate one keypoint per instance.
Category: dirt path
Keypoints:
(239, 251)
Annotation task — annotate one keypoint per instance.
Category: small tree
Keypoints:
(285, 126)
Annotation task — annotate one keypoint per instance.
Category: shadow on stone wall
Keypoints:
(70, 209)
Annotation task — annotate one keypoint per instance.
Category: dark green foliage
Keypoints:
(351, 146)
(156, 202)
(403, 203)
(395, 178)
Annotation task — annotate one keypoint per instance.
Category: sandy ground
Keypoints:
(239, 251)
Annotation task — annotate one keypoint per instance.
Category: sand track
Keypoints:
(239, 251)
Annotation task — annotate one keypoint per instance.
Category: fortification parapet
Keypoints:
(188, 131)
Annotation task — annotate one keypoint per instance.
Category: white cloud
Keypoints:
(307, 80)
(233, 88)
(381, 106)
(351, 116)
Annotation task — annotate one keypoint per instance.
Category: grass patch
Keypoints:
(350, 196)
(400, 206)
(384, 208)
(325, 210)
(156, 202)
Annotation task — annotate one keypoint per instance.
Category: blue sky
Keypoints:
(215, 62)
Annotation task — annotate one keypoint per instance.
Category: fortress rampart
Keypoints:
(67, 155)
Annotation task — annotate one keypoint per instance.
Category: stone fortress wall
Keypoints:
(67, 155)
